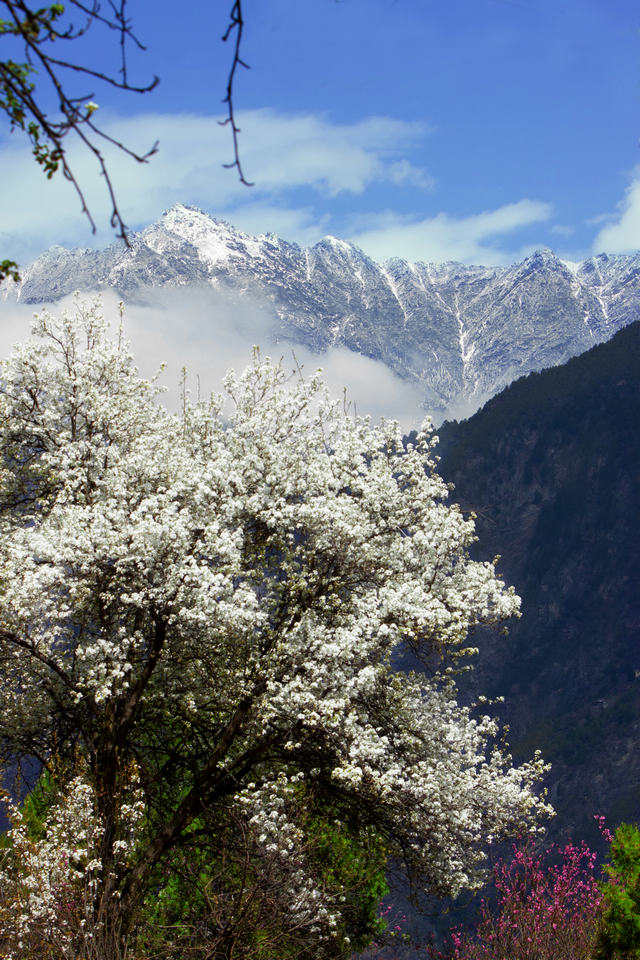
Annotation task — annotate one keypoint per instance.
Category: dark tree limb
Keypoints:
(236, 25)
(37, 29)
(22, 101)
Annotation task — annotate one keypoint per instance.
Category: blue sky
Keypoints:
(474, 130)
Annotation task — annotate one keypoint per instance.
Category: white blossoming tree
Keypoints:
(203, 609)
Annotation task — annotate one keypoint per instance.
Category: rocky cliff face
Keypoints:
(551, 467)
(462, 333)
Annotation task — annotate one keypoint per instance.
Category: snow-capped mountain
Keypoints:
(461, 333)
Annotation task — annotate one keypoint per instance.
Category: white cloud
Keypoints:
(281, 153)
(372, 388)
(623, 235)
(305, 150)
(466, 239)
(201, 330)
(563, 230)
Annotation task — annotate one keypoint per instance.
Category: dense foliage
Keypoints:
(620, 930)
(551, 467)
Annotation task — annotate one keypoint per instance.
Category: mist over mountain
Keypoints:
(551, 467)
(459, 334)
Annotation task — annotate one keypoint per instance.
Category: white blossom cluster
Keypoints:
(48, 886)
(49, 883)
(244, 574)
(282, 844)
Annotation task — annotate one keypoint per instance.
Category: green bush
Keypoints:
(217, 892)
(619, 936)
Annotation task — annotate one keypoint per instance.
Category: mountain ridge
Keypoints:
(461, 333)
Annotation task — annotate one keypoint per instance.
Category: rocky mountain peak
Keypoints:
(461, 332)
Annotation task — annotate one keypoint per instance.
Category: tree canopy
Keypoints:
(199, 616)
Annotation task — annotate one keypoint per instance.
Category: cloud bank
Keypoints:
(309, 174)
(200, 330)
(622, 235)
(473, 239)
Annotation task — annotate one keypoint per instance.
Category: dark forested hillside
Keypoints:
(551, 467)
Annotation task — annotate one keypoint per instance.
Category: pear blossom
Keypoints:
(220, 598)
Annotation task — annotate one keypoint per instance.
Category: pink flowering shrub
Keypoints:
(548, 908)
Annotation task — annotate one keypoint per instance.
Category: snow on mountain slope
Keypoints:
(461, 333)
